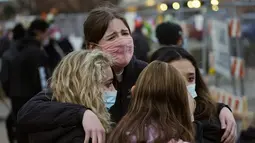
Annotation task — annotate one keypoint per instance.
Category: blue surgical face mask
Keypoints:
(192, 90)
(110, 98)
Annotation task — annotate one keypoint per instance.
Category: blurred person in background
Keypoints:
(27, 75)
(214, 121)
(9, 55)
(168, 34)
(141, 45)
(56, 47)
(157, 113)
(5, 41)
(84, 78)
(248, 136)
(7, 59)
(107, 30)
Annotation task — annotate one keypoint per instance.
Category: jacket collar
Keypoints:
(129, 71)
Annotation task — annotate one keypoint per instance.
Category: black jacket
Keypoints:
(247, 136)
(53, 55)
(8, 57)
(24, 76)
(4, 45)
(208, 131)
(130, 75)
(50, 121)
(72, 134)
(40, 114)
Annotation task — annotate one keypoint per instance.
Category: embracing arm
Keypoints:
(228, 123)
(220, 106)
(41, 113)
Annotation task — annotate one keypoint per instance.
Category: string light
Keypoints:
(163, 7)
(196, 3)
(190, 4)
(215, 2)
(215, 8)
(176, 5)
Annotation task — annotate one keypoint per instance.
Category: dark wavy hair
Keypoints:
(205, 106)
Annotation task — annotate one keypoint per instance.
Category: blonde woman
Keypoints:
(84, 78)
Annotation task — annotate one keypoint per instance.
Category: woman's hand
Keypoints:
(93, 128)
(229, 124)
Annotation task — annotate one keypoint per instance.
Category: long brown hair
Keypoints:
(97, 23)
(159, 102)
(205, 106)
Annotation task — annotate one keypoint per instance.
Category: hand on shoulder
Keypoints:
(93, 128)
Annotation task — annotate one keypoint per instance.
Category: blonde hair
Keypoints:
(78, 79)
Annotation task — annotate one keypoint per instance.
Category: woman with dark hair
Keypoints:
(157, 113)
(207, 112)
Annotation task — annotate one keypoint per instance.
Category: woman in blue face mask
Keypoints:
(218, 122)
(84, 78)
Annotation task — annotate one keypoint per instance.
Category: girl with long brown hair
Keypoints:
(159, 110)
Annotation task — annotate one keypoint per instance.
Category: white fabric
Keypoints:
(119, 76)
(43, 77)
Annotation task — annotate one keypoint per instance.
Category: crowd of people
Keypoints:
(105, 94)
(28, 58)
